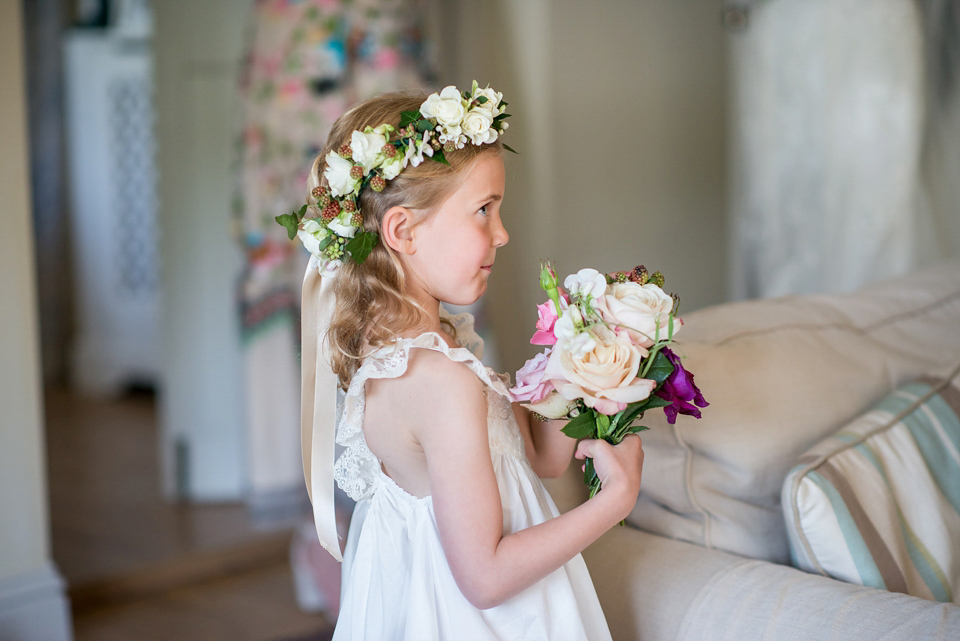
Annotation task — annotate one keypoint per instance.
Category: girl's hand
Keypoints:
(619, 467)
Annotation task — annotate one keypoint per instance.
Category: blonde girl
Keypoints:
(454, 535)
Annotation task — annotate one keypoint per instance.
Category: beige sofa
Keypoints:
(705, 554)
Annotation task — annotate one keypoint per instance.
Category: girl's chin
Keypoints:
(463, 300)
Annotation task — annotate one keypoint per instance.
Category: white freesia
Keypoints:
(447, 107)
(311, 234)
(341, 227)
(566, 326)
(642, 310)
(367, 148)
(586, 282)
(477, 125)
(337, 173)
(605, 377)
(417, 149)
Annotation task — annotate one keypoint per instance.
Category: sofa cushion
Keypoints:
(781, 375)
(878, 503)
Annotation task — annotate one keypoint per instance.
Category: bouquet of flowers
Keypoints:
(608, 358)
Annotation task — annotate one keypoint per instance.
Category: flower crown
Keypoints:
(446, 121)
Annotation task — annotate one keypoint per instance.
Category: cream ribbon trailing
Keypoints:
(318, 403)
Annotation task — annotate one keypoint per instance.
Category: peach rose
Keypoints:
(605, 377)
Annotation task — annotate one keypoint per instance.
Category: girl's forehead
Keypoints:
(486, 178)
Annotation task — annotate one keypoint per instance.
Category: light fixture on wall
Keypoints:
(735, 16)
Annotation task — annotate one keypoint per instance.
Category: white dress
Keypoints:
(397, 584)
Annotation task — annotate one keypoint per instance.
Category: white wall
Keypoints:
(198, 53)
(29, 587)
(620, 118)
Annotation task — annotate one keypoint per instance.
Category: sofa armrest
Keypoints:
(657, 589)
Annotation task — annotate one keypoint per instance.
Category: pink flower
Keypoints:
(530, 387)
(548, 318)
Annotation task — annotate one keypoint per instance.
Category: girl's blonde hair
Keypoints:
(373, 305)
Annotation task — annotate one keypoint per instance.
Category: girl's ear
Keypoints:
(396, 230)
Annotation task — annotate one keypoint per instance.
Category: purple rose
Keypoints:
(531, 388)
(680, 390)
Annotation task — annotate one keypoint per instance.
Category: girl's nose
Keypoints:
(500, 235)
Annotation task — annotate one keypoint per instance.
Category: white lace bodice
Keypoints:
(357, 470)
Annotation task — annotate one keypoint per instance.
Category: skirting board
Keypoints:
(34, 606)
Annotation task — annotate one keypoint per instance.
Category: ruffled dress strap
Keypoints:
(357, 469)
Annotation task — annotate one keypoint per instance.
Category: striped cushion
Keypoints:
(878, 503)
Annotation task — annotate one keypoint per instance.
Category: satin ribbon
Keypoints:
(318, 403)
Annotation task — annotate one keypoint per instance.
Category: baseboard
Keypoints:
(34, 606)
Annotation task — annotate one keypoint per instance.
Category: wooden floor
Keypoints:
(141, 568)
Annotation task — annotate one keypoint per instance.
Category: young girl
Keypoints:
(453, 536)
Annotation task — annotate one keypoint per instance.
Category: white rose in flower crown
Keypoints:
(447, 107)
(604, 377)
(640, 309)
(367, 149)
(477, 126)
(337, 173)
(341, 226)
(492, 105)
(586, 282)
(311, 234)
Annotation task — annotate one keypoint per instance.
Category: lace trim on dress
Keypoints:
(357, 470)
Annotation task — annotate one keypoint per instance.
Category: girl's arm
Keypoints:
(489, 567)
(548, 449)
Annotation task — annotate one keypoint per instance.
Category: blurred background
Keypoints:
(150, 474)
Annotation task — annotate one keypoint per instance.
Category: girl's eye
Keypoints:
(483, 210)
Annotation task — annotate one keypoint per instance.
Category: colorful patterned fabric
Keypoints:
(878, 503)
(307, 62)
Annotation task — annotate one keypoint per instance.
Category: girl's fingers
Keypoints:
(586, 448)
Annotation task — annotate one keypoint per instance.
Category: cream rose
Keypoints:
(337, 173)
(477, 126)
(642, 310)
(492, 105)
(604, 377)
(447, 107)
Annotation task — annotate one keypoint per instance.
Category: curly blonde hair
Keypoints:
(373, 305)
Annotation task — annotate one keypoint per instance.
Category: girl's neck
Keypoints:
(430, 323)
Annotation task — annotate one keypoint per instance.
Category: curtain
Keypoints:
(827, 136)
